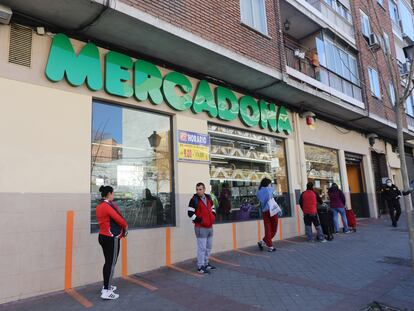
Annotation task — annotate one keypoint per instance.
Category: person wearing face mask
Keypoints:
(392, 196)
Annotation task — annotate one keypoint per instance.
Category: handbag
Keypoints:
(274, 208)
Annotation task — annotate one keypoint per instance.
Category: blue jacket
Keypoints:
(264, 195)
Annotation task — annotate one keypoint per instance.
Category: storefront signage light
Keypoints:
(149, 84)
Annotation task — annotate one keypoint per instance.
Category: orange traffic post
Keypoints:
(124, 251)
(234, 237)
(69, 249)
(168, 247)
(259, 235)
(280, 229)
(298, 219)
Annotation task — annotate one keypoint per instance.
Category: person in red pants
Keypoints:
(264, 194)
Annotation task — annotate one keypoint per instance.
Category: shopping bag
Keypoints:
(274, 208)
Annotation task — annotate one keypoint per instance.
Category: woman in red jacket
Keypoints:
(112, 227)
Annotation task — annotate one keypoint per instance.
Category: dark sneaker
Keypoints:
(210, 267)
(260, 244)
(271, 249)
(202, 270)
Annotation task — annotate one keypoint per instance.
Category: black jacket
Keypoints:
(391, 193)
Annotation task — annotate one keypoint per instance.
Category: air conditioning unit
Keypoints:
(404, 69)
(299, 54)
(5, 14)
(373, 41)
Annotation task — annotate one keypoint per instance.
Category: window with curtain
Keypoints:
(366, 27)
(409, 106)
(253, 14)
(374, 82)
(392, 94)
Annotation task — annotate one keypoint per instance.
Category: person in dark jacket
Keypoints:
(225, 202)
(203, 214)
(392, 196)
(337, 204)
(308, 203)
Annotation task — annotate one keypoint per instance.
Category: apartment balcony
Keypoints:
(301, 18)
(344, 23)
(302, 69)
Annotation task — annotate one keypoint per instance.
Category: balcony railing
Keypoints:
(341, 22)
(322, 74)
(299, 64)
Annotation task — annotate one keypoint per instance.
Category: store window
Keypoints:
(239, 161)
(322, 167)
(131, 151)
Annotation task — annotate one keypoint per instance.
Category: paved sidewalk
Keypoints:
(348, 273)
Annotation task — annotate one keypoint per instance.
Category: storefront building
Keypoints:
(81, 116)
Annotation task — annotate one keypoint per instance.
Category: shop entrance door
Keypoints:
(359, 198)
(379, 166)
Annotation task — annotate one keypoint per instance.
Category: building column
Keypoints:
(370, 185)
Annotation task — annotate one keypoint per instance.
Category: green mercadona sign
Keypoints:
(149, 84)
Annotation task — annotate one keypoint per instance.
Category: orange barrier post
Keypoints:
(298, 219)
(124, 251)
(69, 249)
(70, 215)
(234, 237)
(168, 247)
(280, 229)
(259, 235)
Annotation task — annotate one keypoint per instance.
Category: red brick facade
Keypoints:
(380, 22)
(219, 22)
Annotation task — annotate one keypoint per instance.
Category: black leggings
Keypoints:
(110, 247)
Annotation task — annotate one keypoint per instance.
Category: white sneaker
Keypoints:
(109, 295)
(113, 288)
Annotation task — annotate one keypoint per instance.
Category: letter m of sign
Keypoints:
(78, 68)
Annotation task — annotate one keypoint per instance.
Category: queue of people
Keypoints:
(202, 213)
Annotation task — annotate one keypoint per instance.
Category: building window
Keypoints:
(253, 14)
(366, 26)
(374, 82)
(322, 168)
(392, 6)
(239, 161)
(387, 46)
(338, 60)
(406, 20)
(131, 151)
(409, 106)
(342, 10)
(381, 2)
(392, 94)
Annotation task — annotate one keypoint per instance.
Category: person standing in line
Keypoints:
(337, 202)
(264, 194)
(392, 196)
(112, 227)
(308, 203)
(225, 202)
(203, 214)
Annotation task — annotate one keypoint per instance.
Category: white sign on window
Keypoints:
(128, 175)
